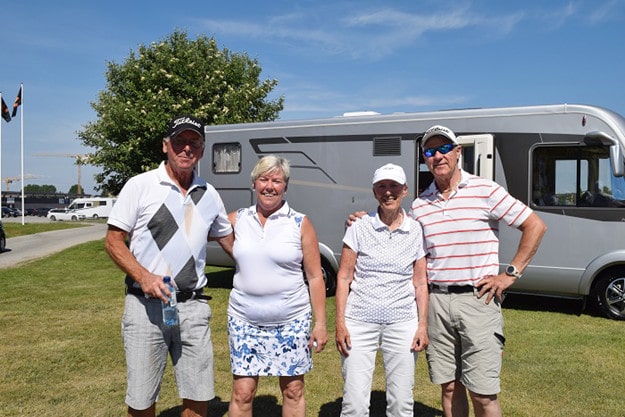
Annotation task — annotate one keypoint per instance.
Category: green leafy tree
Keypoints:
(36, 188)
(74, 189)
(172, 77)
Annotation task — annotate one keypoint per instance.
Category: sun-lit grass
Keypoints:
(19, 229)
(61, 351)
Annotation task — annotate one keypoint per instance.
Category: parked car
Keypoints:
(8, 212)
(3, 238)
(64, 214)
(43, 211)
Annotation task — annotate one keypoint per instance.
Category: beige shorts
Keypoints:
(148, 343)
(466, 341)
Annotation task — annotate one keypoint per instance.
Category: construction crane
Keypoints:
(10, 180)
(79, 160)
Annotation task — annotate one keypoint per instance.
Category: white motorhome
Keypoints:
(564, 161)
(93, 207)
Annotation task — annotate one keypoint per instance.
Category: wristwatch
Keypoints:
(513, 272)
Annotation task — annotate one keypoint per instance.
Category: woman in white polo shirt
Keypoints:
(382, 299)
(269, 313)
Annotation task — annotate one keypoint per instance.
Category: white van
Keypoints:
(93, 207)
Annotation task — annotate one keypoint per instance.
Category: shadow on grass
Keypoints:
(549, 304)
(267, 406)
(264, 405)
(377, 407)
(220, 279)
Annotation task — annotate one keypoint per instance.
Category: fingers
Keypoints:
(343, 346)
(155, 288)
(487, 290)
(419, 347)
(317, 345)
(420, 340)
(492, 286)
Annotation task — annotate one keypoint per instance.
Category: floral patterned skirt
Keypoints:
(280, 350)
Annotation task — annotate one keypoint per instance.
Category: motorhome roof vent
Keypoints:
(360, 113)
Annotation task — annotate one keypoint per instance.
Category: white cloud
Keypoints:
(367, 34)
(606, 11)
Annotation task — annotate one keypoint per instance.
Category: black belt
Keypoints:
(181, 296)
(452, 289)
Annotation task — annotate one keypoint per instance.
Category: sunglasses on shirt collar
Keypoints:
(443, 149)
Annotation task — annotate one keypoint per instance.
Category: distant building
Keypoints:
(13, 199)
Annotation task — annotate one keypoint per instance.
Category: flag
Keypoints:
(18, 102)
(5, 112)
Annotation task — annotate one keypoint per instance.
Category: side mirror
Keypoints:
(616, 152)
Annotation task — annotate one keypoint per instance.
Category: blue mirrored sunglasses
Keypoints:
(443, 149)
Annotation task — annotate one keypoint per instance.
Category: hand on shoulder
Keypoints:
(353, 217)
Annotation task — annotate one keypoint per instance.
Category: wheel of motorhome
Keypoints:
(608, 294)
(95, 217)
(329, 277)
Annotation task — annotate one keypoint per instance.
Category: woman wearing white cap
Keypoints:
(382, 273)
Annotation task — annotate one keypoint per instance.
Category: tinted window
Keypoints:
(577, 176)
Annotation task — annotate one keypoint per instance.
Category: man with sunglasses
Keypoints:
(460, 215)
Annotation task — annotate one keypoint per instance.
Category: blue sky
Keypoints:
(329, 57)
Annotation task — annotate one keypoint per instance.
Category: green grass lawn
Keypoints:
(61, 351)
(19, 229)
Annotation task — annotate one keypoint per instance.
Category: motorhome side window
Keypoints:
(226, 158)
(575, 176)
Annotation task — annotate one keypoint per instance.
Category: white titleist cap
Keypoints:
(439, 130)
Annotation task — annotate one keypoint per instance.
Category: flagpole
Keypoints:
(22, 146)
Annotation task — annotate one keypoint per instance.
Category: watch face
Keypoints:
(511, 270)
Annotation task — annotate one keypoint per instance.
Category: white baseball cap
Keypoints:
(390, 172)
(439, 130)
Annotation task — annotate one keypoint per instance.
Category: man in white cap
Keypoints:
(167, 216)
(460, 214)
(382, 299)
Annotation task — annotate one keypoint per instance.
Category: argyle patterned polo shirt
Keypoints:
(168, 231)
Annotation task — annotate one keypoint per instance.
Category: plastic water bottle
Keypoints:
(170, 309)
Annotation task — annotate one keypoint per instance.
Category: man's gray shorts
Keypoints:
(148, 341)
(466, 341)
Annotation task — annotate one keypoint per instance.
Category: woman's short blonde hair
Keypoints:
(272, 163)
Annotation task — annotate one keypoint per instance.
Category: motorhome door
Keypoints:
(477, 154)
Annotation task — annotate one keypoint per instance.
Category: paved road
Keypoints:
(25, 248)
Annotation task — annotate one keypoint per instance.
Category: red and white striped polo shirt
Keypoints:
(461, 233)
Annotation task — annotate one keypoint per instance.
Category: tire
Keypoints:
(608, 294)
(3, 243)
(95, 217)
(329, 276)
(74, 218)
(53, 218)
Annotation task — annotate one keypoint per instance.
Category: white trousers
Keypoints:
(394, 341)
